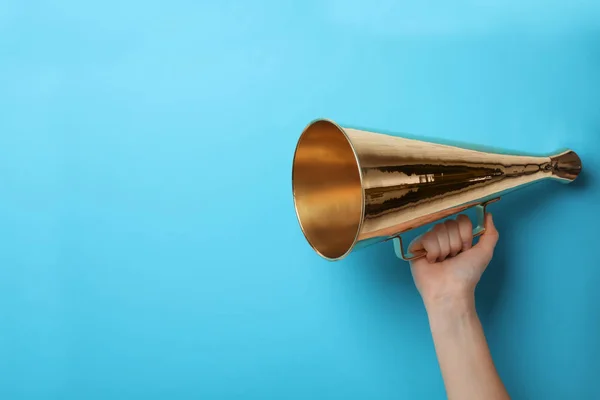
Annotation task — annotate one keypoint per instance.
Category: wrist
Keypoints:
(450, 307)
(451, 317)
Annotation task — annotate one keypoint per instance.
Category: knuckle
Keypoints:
(432, 256)
(463, 220)
(451, 224)
(429, 242)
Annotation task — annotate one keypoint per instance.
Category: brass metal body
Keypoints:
(352, 187)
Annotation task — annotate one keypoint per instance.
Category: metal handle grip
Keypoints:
(477, 231)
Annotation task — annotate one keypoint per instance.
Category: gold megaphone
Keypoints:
(354, 188)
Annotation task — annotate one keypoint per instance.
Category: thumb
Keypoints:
(488, 240)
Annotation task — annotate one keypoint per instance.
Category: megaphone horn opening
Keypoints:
(327, 188)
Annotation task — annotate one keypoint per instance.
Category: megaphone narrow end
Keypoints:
(566, 166)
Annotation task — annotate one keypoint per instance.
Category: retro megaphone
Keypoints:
(353, 188)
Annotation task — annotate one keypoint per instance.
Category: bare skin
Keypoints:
(446, 280)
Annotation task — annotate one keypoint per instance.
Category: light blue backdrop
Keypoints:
(148, 242)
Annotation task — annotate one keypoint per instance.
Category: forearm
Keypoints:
(462, 351)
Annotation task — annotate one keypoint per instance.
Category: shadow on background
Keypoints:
(379, 271)
(508, 214)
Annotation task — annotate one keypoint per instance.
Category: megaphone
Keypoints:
(354, 188)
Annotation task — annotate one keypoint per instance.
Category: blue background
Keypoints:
(148, 242)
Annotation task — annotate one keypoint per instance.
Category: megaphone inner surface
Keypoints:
(328, 194)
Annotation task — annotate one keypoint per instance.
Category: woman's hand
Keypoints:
(452, 267)
(446, 279)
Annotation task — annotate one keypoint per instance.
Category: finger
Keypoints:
(454, 236)
(416, 247)
(416, 244)
(490, 236)
(465, 227)
(431, 245)
(444, 241)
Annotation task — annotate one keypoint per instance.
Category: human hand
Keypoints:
(452, 267)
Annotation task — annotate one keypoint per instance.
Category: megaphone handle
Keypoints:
(477, 231)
